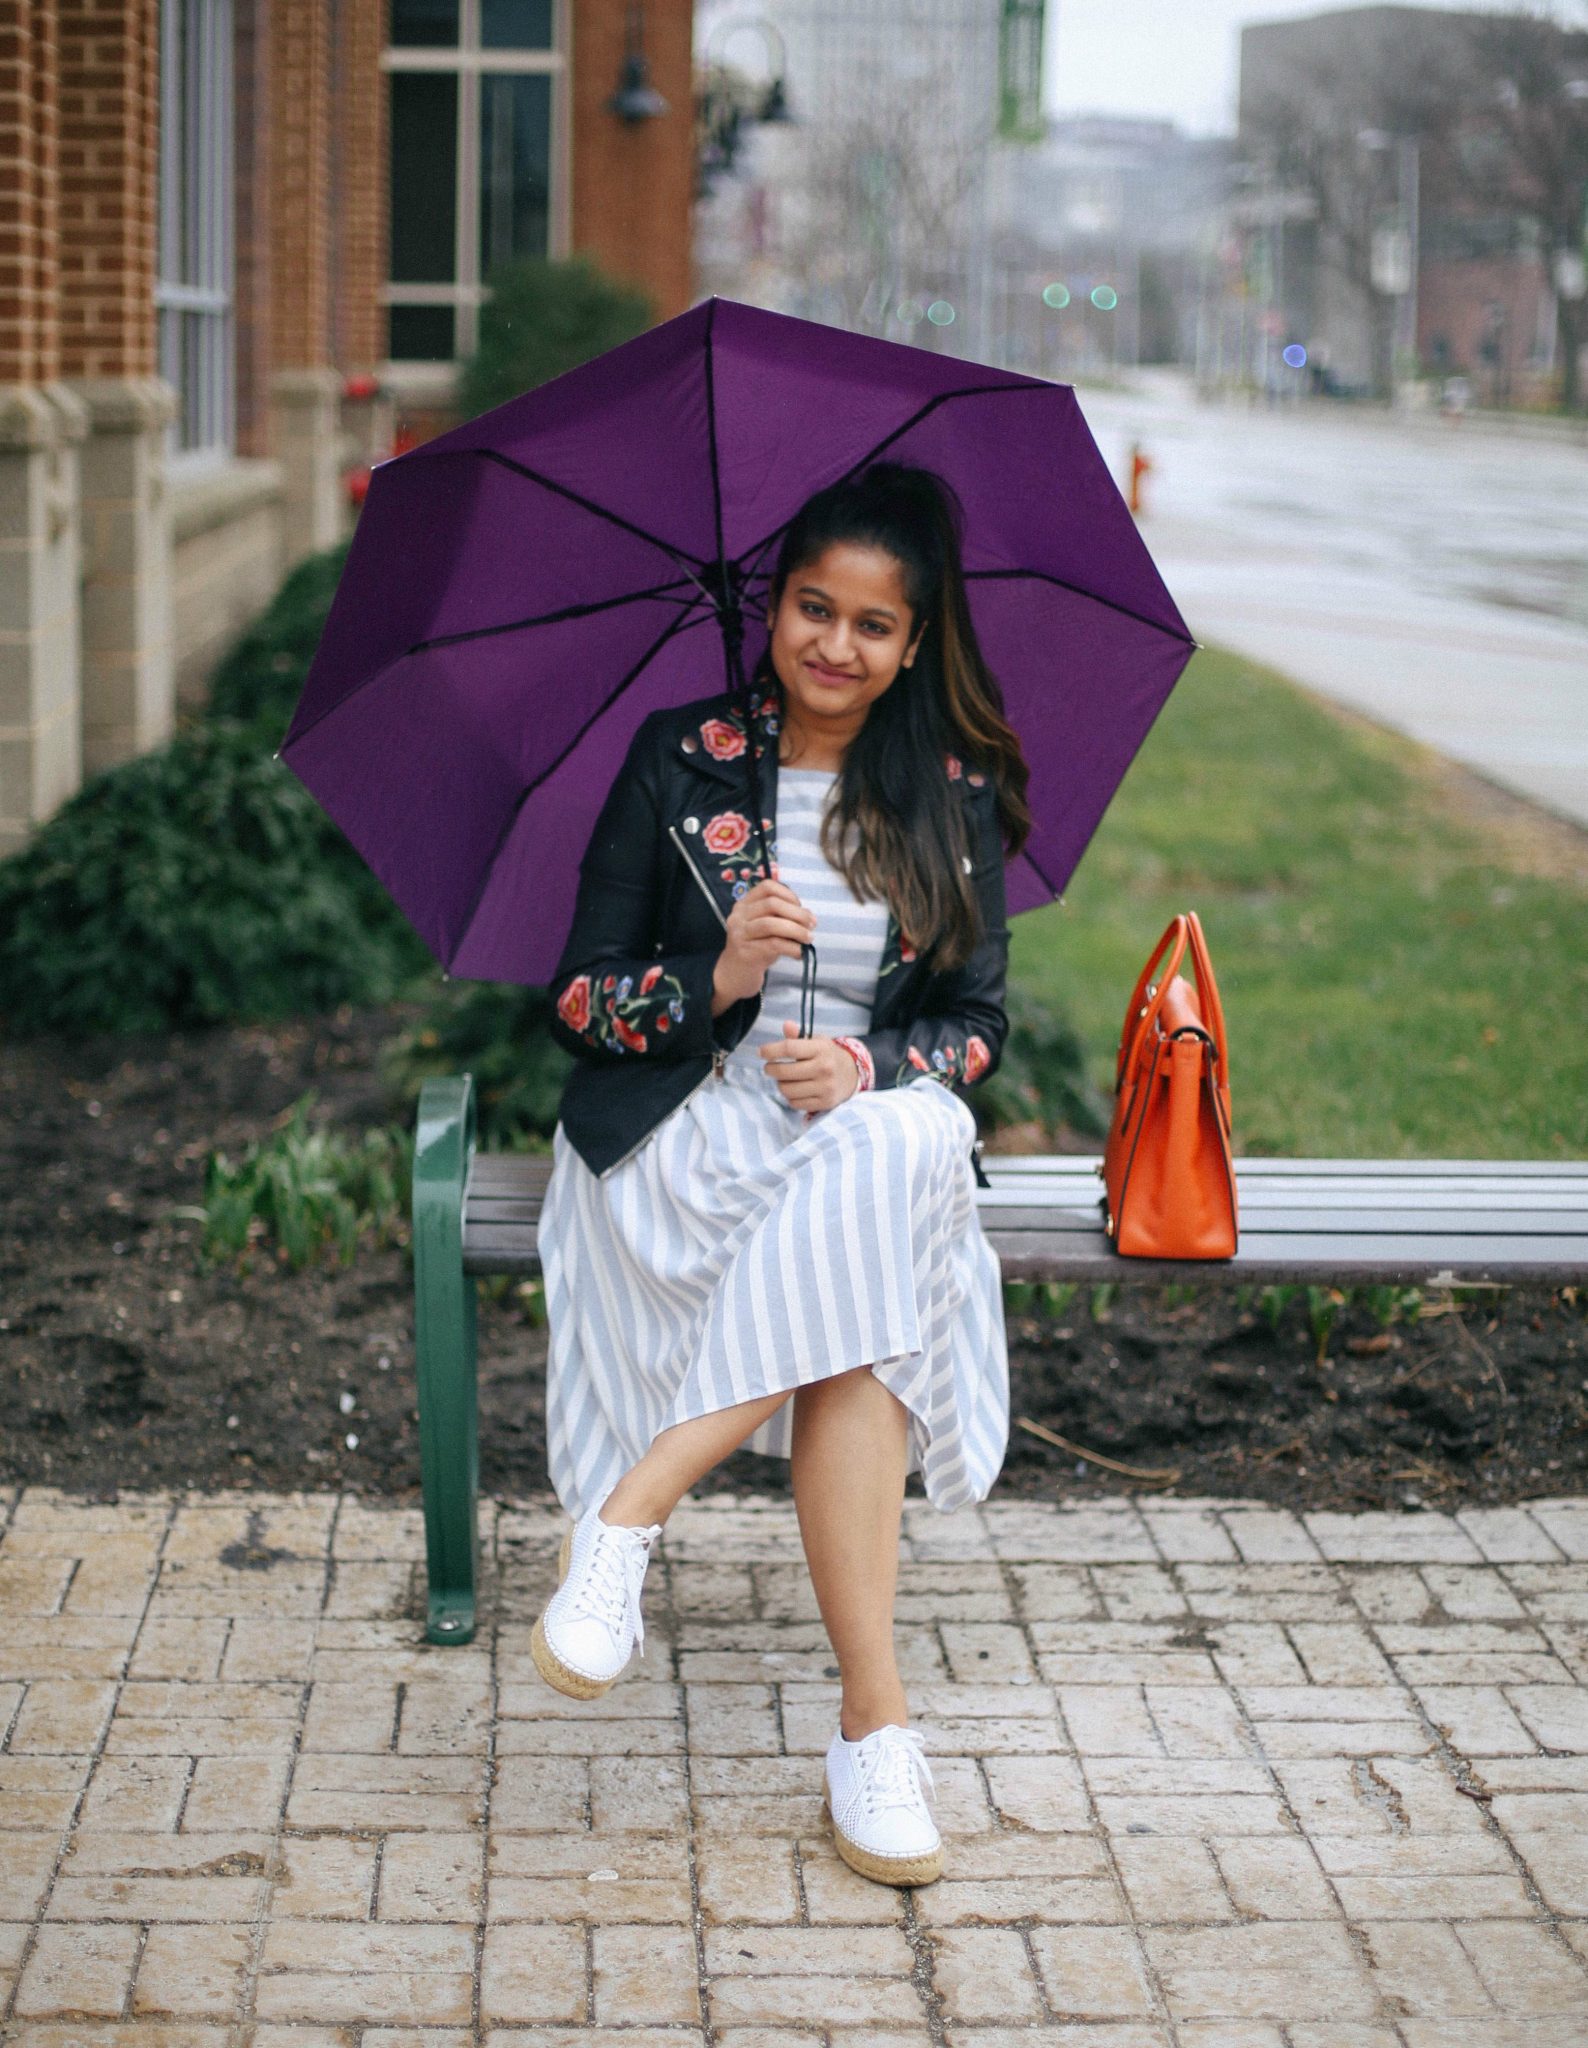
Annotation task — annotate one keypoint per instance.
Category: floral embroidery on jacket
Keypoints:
(727, 834)
(722, 741)
(612, 1014)
(944, 1065)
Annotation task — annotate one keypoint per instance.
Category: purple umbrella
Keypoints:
(522, 591)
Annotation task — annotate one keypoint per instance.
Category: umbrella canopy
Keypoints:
(522, 591)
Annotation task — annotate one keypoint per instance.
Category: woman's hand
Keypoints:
(768, 923)
(813, 1073)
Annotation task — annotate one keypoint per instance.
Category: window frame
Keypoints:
(195, 253)
(466, 294)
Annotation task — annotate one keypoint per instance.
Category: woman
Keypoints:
(771, 1237)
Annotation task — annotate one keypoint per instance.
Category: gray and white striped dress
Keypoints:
(743, 1249)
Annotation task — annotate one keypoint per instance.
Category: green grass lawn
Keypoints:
(1394, 984)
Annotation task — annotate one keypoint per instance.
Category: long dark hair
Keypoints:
(895, 827)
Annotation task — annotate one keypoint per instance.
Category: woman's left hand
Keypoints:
(813, 1073)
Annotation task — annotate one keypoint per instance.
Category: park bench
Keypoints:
(1431, 1222)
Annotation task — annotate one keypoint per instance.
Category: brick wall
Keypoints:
(108, 101)
(632, 186)
(300, 166)
(29, 324)
(359, 180)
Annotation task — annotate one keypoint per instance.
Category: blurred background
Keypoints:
(1318, 278)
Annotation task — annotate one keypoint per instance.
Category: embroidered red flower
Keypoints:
(723, 742)
(906, 950)
(726, 832)
(650, 978)
(634, 1040)
(955, 770)
(573, 1005)
(977, 1057)
(917, 1058)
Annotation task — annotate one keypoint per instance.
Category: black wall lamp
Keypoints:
(636, 99)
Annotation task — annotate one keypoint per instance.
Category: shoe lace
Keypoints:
(894, 1772)
(614, 1572)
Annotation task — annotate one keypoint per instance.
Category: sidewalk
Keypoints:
(1212, 1775)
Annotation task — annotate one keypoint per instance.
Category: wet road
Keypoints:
(1430, 573)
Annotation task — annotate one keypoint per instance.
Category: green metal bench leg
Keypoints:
(444, 1332)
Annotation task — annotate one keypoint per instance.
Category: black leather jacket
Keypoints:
(669, 855)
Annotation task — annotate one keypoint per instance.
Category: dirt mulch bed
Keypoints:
(123, 1363)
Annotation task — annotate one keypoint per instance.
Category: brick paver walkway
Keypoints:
(1211, 1775)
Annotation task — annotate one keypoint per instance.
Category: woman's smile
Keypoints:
(843, 629)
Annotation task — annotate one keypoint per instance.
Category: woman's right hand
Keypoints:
(768, 923)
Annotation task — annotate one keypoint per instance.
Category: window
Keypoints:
(193, 289)
(478, 100)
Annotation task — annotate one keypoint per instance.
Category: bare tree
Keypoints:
(887, 210)
(1317, 130)
(1525, 149)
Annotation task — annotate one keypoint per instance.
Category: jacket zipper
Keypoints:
(672, 833)
(719, 1054)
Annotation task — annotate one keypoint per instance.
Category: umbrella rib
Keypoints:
(922, 412)
(1092, 596)
(711, 433)
(480, 633)
(673, 626)
(670, 592)
(681, 556)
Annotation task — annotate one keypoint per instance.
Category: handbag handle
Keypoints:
(1176, 933)
(1208, 991)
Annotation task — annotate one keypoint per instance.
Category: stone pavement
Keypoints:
(1212, 1775)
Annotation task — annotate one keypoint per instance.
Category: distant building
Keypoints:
(1108, 205)
(246, 249)
(1380, 264)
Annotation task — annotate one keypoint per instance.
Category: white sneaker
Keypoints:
(876, 1795)
(591, 1624)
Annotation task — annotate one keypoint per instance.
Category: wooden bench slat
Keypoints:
(1341, 1219)
(1413, 1218)
(493, 1172)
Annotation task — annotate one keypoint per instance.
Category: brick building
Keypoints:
(241, 247)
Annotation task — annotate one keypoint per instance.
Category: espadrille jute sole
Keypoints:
(901, 1870)
(573, 1684)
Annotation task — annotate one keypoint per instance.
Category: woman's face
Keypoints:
(840, 634)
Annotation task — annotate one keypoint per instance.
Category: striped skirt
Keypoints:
(743, 1250)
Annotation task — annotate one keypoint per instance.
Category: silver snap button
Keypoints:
(965, 857)
(689, 743)
(691, 824)
(976, 781)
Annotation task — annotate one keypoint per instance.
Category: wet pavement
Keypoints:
(1431, 573)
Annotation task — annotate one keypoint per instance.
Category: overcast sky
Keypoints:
(1176, 59)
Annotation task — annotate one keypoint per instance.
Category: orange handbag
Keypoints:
(1167, 1164)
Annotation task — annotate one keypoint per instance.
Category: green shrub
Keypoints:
(199, 884)
(543, 317)
(1042, 1076)
(306, 1195)
(260, 681)
(498, 1032)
